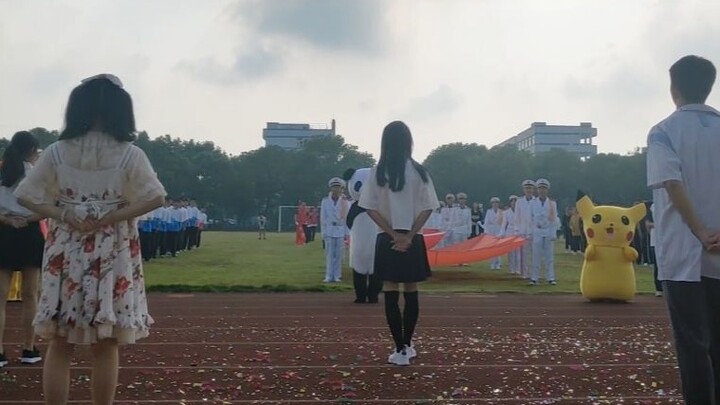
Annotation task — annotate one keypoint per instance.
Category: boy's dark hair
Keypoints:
(22, 145)
(693, 77)
(99, 101)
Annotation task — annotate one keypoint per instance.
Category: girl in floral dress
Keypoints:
(92, 184)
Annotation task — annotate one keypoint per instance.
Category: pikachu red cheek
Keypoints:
(629, 236)
(590, 233)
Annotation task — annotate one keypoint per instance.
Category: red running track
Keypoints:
(321, 348)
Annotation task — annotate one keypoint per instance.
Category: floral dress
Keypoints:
(92, 283)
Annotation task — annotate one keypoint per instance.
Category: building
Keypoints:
(292, 136)
(541, 137)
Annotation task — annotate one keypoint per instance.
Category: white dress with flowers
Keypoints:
(92, 283)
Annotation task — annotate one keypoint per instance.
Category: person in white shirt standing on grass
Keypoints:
(493, 224)
(525, 229)
(462, 221)
(333, 214)
(510, 228)
(400, 197)
(21, 242)
(543, 216)
(683, 171)
(447, 218)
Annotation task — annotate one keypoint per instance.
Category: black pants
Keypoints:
(162, 240)
(306, 232)
(658, 284)
(190, 237)
(575, 242)
(695, 314)
(172, 240)
(199, 236)
(146, 245)
(367, 287)
(310, 233)
(567, 235)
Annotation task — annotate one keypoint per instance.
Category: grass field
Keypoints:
(238, 261)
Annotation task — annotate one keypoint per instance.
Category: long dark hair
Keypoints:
(22, 145)
(395, 151)
(99, 101)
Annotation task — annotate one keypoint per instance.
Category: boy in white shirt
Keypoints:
(462, 222)
(683, 171)
(510, 228)
(522, 214)
(493, 224)
(543, 216)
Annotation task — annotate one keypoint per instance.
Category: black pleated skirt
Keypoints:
(21, 248)
(411, 266)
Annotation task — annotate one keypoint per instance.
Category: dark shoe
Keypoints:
(30, 356)
(373, 300)
(359, 301)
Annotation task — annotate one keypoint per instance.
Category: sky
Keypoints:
(454, 70)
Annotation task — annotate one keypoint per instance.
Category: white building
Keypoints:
(292, 136)
(541, 137)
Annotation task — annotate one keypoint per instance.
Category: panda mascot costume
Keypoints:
(363, 233)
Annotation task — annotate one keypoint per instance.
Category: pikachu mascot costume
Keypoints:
(608, 272)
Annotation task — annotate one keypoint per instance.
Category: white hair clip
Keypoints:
(113, 79)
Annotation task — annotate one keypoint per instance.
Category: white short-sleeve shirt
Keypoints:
(400, 208)
(684, 147)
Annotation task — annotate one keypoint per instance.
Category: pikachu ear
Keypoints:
(585, 206)
(638, 212)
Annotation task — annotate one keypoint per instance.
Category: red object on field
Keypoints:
(432, 237)
(477, 249)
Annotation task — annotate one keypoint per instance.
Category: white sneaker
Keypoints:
(658, 293)
(399, 359)
(410, 351)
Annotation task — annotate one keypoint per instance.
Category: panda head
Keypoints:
(355, 180)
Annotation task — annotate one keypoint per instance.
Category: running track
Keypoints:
(321, 348)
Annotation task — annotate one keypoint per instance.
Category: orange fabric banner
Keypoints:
(477, 249)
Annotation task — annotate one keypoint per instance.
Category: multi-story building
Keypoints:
(292, 136)
(541, 137)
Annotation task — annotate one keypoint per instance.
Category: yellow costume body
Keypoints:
(608, 272)
(15, 293)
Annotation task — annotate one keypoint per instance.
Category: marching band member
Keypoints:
(510, 228)
(525, 229)
(543, 213)
(493, 225)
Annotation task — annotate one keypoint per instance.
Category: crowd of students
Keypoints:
(533, 216)
(174, 227)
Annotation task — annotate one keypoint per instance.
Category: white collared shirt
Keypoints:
(462, 222)
(400, 208)
(493, 221)
(522, 214)
(509, 226)
(333, 215)
(684, 147)
(543, 215)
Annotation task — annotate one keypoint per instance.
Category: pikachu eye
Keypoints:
(596, 218)
(625, 220)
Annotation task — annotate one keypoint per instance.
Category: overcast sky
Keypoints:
(454, 70)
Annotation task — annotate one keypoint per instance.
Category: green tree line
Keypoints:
(261, 180)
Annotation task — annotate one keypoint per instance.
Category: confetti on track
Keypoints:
(321, 348)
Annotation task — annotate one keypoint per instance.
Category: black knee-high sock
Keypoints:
(394, 318)
(410, 316)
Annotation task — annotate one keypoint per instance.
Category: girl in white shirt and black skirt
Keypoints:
(400, 197)
(21, 241)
